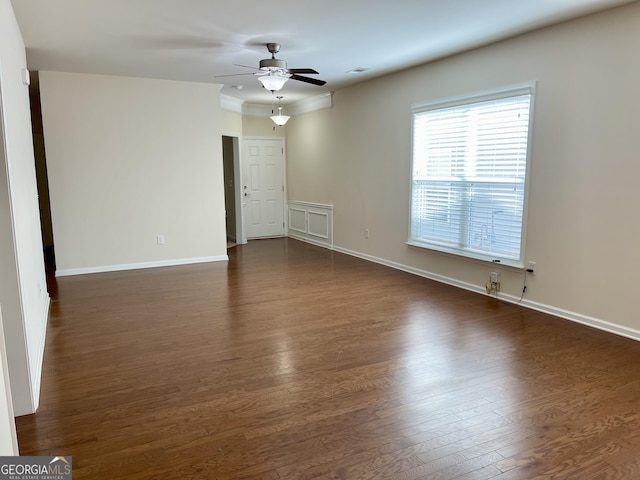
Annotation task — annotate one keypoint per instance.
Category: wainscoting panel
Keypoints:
(318, 224)
(311, 222)
(297, 220)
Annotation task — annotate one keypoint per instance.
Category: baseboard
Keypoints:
(583, 319)
(309, 240)
(136, 266)
(541, 307)
(415, 271)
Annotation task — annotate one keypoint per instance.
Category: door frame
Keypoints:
(235, 152)
(239, 192)
(8, 433)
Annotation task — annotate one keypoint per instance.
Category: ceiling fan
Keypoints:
(273, 72)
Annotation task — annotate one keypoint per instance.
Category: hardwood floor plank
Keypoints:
(295, 362)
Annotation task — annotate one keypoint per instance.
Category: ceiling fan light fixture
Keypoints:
(273, 82)
(273, 72)
(280, 119)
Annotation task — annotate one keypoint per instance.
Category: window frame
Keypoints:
(528, 88)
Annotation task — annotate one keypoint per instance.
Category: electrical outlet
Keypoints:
(531, 268)
(366, 233)
(495, 277)
(160, 239)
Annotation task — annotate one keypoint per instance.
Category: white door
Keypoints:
(263, 187)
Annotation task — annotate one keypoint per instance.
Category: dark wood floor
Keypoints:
(295, 362)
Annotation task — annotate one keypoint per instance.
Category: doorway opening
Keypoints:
(232, 199)
(42, 178)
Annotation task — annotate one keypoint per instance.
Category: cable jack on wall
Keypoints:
(493, 283)
(530, 270)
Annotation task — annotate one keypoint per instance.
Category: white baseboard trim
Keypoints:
(597, 323)
(309, 240)
(416, 271)
(136, 266)
(541, 307)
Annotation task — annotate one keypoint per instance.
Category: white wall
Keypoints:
(582, 228)
(22, 278)
(261, 127)
(128, 159)
(231, 123)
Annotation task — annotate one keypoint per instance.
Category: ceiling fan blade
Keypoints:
(246, 66)
(232, 75)
(301, 78)
(302, 70)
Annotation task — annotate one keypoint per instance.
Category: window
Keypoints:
(469, 175)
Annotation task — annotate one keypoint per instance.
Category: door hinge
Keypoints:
(283, 188)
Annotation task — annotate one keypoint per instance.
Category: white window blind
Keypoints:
(469, 175)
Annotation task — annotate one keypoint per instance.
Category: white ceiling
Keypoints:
(195, 40)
